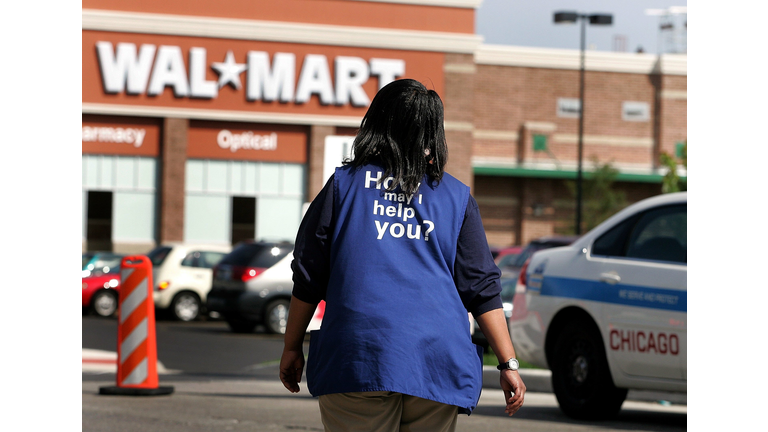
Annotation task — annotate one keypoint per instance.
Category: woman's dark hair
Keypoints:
(403, 130)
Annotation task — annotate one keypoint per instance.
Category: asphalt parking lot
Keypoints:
(228, 381)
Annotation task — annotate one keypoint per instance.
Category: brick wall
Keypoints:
(498, 199)
(674, 112)
(460, 156)
(459, 116)
(497, 98)
(315, 180)
(506, 148)
(507, 97)
(459, 87)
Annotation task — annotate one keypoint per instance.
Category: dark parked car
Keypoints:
(507, 294)
(507, 255)
(495, 251)
(252, 285)
(512, 268)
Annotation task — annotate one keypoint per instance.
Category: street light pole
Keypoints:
(599, 19)
(581, 127)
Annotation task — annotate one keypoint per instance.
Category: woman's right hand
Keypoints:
(514, 390)
(291, 368)
(292, 362)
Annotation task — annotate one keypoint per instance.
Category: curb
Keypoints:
(100, 362)
(540, 381)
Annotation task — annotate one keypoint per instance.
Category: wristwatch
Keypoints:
(511, 364)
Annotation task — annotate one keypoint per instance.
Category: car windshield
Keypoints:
(534, 247)
(525, 254)
(508, 289)
(261, 255)
(507, 260)
(158, 255)
(103, 264)
(87, 257)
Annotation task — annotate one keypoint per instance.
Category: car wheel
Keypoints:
(186, 306)
(104, 303)
(276, 316)
(581, 378)
(240, 325)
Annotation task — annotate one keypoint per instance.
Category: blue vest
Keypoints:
(394, 320)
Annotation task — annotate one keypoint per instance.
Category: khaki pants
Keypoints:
(382, 411)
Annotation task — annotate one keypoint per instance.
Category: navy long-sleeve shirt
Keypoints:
(475, 274)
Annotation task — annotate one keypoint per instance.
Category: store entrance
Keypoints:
(99, 227)
(243, 218)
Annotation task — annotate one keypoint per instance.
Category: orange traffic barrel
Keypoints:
(136, 341)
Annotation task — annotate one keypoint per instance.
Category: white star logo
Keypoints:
(229, 71)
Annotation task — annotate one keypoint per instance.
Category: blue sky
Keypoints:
(530, 23)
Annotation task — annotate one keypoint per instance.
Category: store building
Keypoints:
(525, 131)
(217, 121)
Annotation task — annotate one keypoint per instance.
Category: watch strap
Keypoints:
(507, 365)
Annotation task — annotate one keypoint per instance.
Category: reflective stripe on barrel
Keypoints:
(133, 328)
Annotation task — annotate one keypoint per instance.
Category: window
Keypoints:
(535, 246)
(105, 263)
(262, 255)
(99, 221)
(158, 254)
(659, 234)
(613, 243)
(508, 287)
(210, 259)
(191, 259)
(202, 259)
(243, 219)
(87, 256)
(507, 260)
(524, 255)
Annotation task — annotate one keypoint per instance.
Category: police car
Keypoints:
(608, 313)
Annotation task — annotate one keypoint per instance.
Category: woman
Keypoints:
(397, 249)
